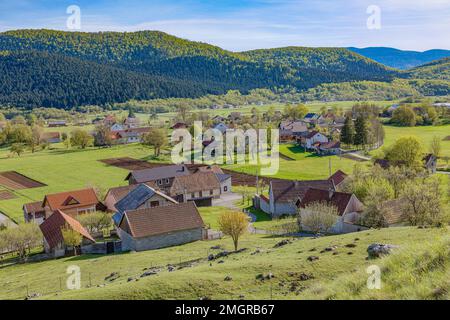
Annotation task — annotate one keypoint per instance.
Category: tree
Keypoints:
(182, 111)
(374, 217)
(131, 113)
(80, 138)
(71, 238)
(435, 146)
(406, 151)
(348, 131)
(317, 217)
(102, 136)
(17, 148)
(234, 224)
(361, 132)
(21, 239)
(295, 112)
(95, 222)
(404, 116)
(156, 138)
(36, 137)
(422, 202)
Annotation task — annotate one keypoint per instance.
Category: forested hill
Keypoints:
(165, 66)
(30, 79)
(401, 59)
(439, 69)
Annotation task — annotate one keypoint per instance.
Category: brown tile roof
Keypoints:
(51, 228)
(163, 172)
(289, 191)
(338, 177)
(196, 182)
(338, 199)
(34, 207)
(204, 168)
(160, 220)
(50, 135)
(79, 198)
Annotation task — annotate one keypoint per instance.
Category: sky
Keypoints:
(240, 25)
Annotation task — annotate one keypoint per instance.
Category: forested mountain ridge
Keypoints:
(30, 79)
(401, 59)
(159, 65)
(438, 70)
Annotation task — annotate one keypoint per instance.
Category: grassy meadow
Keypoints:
(337, 274)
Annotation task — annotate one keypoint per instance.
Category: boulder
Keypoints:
(312, 258)
(228, 278)
(376, 250)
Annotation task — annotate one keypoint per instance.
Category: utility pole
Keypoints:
(257, 182)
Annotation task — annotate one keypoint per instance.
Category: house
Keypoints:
(293, 129)
(72, 203)
(160, 227)
(116, 127)
(57, 123)
(225, 182)
(349, 208)
(200, 187)
(53, 236)
(141, 197)
(329, 148)
(132, 122)
(132, 135)
(283, 194)
(314, 137)
(162, 175)
(116, 194)
(337, 179)
(34, 212)
(430, 163)
(221, 127)
(109, 120)
(51, 137)
(311, 118)
(179, 125)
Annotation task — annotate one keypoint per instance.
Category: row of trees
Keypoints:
(409, 116)
(362, 132)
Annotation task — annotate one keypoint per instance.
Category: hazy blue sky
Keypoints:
(248, 24)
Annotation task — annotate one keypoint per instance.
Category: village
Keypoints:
(159, 205)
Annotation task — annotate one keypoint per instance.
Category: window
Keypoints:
(192, 195)
(167, 181)
(225, 189)
(211, 192)
(160, 182)
(154, 204)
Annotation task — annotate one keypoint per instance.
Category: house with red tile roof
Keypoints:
(53, 236)
(348, 207)
(72, 203)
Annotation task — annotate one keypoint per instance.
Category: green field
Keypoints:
(65, 170)
(340, 275)
(424, 133)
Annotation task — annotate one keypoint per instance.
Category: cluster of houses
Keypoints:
(128, 131)
(290, 197)
(307, 132)
(158, 208)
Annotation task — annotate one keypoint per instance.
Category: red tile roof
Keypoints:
(338, 199)
(311, 134)
(160, 220)
(290, 191)
(51, 228)
(338, 177)
(78, 198)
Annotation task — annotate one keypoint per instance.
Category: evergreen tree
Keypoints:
(348, 131)
(361, 132)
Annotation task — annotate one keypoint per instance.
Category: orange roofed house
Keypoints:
(53, 235)
(72, 203)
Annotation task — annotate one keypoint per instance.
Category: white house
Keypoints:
(314, 137)
(221, 127)
(117, 127)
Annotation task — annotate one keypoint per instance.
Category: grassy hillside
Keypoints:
(418, 269)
